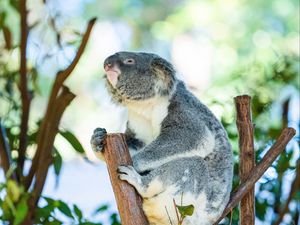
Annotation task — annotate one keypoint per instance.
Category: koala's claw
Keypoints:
(129, 174)
(126, 169)
(97, 139)
(100, 130)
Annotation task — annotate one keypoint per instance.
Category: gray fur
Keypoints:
(187, 126)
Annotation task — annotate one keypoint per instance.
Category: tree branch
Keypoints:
(283, 139)
(295, 186)
(60, 105)
(129, 202)
(5, 152)
(7, 37)
(246, 155)
(51, 129)
(25, 94)
(61, 76)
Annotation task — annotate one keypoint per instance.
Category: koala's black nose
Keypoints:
(110, 61)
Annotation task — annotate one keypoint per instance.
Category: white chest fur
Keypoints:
(145, 117)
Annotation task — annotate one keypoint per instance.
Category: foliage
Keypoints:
(14, 208)
(255, 54)
(20, 193)
(262, 86)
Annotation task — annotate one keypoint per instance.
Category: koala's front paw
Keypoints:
(97, 139)
(129, 174)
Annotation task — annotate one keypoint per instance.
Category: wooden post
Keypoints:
(128, 201)
(246, 156)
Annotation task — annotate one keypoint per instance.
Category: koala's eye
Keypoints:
(129, 61)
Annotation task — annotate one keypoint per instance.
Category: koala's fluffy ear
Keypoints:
(165, 72)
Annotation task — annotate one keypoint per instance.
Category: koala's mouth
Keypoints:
(112, 75)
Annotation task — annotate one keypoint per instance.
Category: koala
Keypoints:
(180, 151)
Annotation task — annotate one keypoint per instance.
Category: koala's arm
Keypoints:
(165, 148)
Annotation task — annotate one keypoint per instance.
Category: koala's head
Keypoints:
(138, 76)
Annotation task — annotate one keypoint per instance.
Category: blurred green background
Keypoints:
(219, 48)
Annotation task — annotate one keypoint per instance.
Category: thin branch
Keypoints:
(170, 221)
(246, 155)
(283, 139)
(176, 211)
(61, 76)
(7, 37)
(5, 152)
(5, 158)
(64, 74)
(295, 186)
(25, 94)
(277, 195)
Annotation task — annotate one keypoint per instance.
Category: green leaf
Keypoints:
(185, 210)
(114, 220)
(77, 212)
(14, 4)
(2, 19)
(13, 190)
(21, 211)
(57, 163)
(101, 209)
(50, 201)
(34, 79)
(72, 140)
(32, 137)
(45, 212)
(64, 208)
(7, 209)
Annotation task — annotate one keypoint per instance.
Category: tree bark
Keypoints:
(25, 93)
(246, 156)
(128, 201)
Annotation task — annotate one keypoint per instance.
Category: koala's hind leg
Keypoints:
(182, 180)
(184, 174)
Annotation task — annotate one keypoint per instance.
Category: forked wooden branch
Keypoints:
(128, 201)
(57, 86)
(246, 155)
(286, 135)
(60, 105)
(59, 99)
(45, 159)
